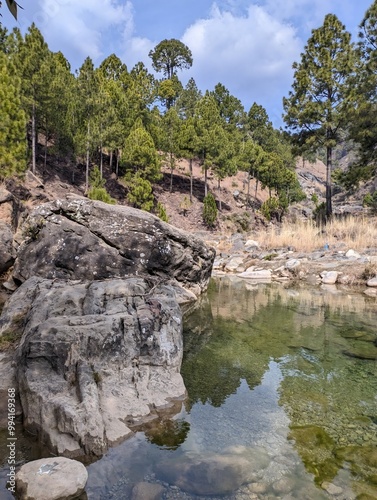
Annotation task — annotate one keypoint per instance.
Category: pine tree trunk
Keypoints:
(248, 186)
(191, 180)
(87, 160)
(328, 182)
(45, 156)
(101, 153)
(256, 189)
(101, 160)
(219, 189)
(117, 165)
(33, 140)
(205, 177)
(111, 160)
(171, 172)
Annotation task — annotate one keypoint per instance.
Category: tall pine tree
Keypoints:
(320, 102)
(12, 123)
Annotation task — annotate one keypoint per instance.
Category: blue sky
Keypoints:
(248, 46)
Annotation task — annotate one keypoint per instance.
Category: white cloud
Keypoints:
(251, 54)
(85, 28)
(136, 49)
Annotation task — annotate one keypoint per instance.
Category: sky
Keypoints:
(248, 46)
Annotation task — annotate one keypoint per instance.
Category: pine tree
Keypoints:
(32, 64)
(187, 99)
(363, 122)
(207, 119)
(140, 193)
(140, 155)
(209, 210)
(112, 80)
(86, 102)
(171, 127)
(189, 146)
(12, 123)
(319, 104)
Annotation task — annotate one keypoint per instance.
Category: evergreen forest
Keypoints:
(135, 121)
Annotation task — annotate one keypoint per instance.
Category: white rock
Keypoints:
(252, 244)
(51, 479)
(233, 264)
(351, 254)
(371, 292)
(329, 277)
(292, 264)
(372, 282)
(264, 274)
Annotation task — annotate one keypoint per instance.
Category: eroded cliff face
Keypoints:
(83, 239)
(94, 357)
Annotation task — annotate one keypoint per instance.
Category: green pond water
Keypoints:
(282, 402)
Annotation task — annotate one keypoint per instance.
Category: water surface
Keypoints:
(282, 402)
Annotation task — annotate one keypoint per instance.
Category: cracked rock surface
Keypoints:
(90, 240)
(94, 357)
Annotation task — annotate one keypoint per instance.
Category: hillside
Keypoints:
(61, 177)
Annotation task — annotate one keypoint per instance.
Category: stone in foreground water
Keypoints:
(51, 479)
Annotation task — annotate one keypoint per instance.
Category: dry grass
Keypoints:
(306, 236)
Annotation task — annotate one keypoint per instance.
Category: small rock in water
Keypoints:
(332, 489)
(284, 485)
(257, 487)
(212, 475)
(51, 479)
(147, 491)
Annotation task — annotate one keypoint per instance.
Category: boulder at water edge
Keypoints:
(93, 358)
(90, 240)
(55, 478)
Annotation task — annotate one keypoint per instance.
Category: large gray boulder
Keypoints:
(94, 358)
(90, 240)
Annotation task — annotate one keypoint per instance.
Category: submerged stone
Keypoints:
(207, 475)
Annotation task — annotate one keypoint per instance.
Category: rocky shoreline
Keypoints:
(346, 267)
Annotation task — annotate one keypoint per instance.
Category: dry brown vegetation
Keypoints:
(306, 236)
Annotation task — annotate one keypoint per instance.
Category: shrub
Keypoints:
(314, 199)
(97, 189)
(12, 335)
(209, 210)
(271, 208)
(161, 212)
(31, 230)
(140, 194)
(100, 194)
(319, 213)
(185, 205)
(370, 200)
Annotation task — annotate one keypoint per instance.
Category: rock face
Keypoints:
(10, 208)
(94, 357)
(54, 478)
(83, 239)
(7, 252)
